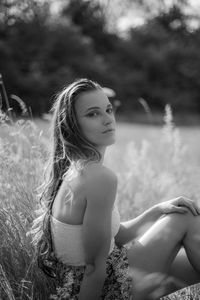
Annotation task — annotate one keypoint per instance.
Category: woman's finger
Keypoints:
(192, 208)
(197, 208)
(179, 209)
(189, 204)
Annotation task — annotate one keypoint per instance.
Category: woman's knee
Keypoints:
(194, 223)
(164, 238)
(192, 237)
(181, 221)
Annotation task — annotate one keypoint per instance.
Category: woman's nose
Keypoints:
(107, 120)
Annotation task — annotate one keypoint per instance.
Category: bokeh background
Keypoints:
(143, 50)
(146, 53)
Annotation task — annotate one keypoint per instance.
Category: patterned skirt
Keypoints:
(117, 284)
(191, 292)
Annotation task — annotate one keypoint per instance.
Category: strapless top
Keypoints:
(68, 239)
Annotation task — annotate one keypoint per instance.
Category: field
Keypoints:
(152, 163)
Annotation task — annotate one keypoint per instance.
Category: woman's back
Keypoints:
(70, 202)
(67, 221)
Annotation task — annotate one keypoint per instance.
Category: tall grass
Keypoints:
(154, 172)
(22, 157)
(147, 175)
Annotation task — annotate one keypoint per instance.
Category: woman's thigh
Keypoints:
(156, 249)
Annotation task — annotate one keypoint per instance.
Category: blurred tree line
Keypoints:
(41, 52)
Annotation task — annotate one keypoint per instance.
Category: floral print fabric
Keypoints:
(191, 292)
(117, 284)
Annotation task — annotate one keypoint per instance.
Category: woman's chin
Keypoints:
(110, 142)
(105, 144)
(113, 142)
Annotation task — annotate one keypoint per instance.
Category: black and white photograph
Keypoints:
(99, 150)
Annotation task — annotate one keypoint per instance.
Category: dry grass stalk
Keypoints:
(5, 288)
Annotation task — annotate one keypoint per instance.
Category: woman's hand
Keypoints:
(179, 205)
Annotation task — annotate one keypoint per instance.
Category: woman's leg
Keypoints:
(156, 249)
(182, 269)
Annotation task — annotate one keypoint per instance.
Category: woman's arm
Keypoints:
(100, 188)
(133, 228)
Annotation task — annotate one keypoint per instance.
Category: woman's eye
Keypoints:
(110, 110)
(97, 113)
(93, 114)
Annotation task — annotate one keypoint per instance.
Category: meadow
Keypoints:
(153, 163)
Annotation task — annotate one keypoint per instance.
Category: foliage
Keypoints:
(147, 175)
(22, 156)
(40, 52)
(40, 55)
(163, 60)
(155, 172)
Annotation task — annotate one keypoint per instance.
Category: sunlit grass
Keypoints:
(152, 166)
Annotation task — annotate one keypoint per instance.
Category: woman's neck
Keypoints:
(102, 152)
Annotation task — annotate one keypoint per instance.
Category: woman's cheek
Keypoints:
(93, 124)
(90, 128)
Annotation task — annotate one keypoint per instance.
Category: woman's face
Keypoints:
(96, 118)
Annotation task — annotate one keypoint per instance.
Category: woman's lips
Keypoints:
(109, 131)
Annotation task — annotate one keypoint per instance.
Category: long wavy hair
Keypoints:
(70, 151)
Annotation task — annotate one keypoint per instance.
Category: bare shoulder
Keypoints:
(97, 172)
(99, 181)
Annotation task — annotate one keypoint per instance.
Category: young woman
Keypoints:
(78, 234)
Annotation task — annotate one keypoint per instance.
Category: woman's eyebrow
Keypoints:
(97, 107)
(94, 107)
